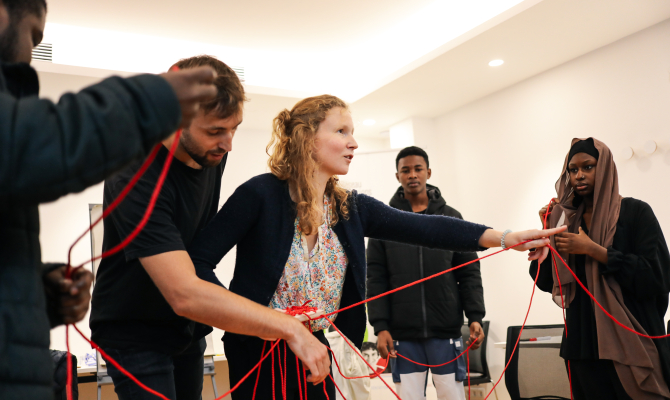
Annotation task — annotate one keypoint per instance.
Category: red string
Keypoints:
(68, 384)
(285, 377)
(304, 378)
(116, 201)
(119, 367)
(336, 387)
(303, 308)
(152, 203)
(440, 365)
(603, 308)
(273, 374)
(419, 281)
(468, 361)
(297, 367)
(259, 371)
(136, 231)
(248, 373)
(362, 358)
(520, 332)
(337, 365)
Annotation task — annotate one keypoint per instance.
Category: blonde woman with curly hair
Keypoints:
(300, 237)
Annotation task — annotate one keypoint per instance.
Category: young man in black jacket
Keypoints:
(423, 322)
(48, 150)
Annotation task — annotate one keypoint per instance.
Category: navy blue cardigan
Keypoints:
(259, 218)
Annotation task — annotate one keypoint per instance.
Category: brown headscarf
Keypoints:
(635, 358)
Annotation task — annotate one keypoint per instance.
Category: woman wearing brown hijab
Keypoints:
(616, 247)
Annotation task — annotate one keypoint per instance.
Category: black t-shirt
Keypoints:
(128, 310)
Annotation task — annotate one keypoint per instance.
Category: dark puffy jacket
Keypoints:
(48, 150)
(432, 309)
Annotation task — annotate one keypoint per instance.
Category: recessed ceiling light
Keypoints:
(496, 63)
(369, 122)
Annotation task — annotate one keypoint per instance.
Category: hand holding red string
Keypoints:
(385, 345)
(312, 353)
(522, 241)
(69, 297)
(476, 335)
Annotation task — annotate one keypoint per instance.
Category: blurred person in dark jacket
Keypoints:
(48, 150)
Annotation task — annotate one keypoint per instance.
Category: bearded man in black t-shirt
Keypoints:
(147, 297)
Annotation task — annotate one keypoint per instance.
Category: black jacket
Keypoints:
(259, 218)
(48, 150)
(432, 309)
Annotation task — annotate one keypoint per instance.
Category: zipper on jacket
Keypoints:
(423, 295)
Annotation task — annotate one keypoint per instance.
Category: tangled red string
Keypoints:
(298, 310)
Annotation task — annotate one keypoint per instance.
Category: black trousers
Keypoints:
(244, 352)
(177, 376)
(596, 379)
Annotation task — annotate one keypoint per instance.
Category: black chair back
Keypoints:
(479, 368)
(536, 370)
(59, 359)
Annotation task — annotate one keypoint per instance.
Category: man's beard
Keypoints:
(191, 148)
(8, 43)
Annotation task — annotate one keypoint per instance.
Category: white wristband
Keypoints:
(502, 239)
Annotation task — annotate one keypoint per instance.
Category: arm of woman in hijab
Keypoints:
(644, 272)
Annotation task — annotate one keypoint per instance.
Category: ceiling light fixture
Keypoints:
(369, 122)
(496, 63)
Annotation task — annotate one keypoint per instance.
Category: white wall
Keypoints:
(497, 159)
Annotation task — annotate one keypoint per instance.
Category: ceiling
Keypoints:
(348, 48)
(444, 73)
(294, 25)
(538, 39)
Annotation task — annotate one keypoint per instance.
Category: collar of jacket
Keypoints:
(435, 200)
(19, 79)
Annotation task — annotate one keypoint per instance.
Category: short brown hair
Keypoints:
(230, 97)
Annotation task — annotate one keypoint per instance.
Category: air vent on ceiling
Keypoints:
(43, 52)
(240, 72)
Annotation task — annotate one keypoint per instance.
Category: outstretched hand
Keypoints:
(537, 240)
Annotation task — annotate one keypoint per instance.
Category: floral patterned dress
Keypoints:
(317, 276)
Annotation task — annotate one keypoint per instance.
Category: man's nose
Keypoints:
(226, 143)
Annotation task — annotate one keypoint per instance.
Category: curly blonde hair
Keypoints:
(292, 146)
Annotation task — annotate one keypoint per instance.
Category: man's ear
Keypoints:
(430, 172)
(397, 176)
(4, 17)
